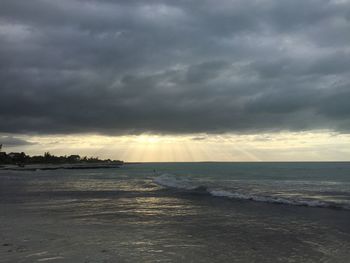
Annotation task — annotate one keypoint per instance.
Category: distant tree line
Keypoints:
(20, 158)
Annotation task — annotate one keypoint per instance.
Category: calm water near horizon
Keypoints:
(178, 212)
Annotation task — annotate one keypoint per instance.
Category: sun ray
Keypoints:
(283, 146)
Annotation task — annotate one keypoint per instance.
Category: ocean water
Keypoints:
(304, 184)
(178, 212)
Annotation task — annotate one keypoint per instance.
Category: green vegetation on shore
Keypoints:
(20, 158)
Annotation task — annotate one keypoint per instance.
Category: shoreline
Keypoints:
(46, 167)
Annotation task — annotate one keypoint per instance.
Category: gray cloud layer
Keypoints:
(11, 141)
(174, 66)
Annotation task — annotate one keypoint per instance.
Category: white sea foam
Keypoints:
(178, 182)
(269, 199)
(173, 181)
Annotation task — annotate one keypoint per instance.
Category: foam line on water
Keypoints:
(181, 183)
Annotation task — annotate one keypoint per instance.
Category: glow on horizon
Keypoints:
(283, 146)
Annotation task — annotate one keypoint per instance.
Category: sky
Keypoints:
(194, 80)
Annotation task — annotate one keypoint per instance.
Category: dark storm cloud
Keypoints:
(174, 66)
(10, 141)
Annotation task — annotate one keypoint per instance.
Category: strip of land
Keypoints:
(19, 161)
(36, 167)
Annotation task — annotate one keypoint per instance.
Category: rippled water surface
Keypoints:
(168, 213)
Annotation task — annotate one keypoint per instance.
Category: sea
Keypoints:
(178, 212)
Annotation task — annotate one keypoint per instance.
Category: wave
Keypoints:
(180, 183)
(173, 181)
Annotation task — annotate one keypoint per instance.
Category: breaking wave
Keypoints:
(185, 184)
(173, 181)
